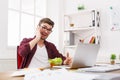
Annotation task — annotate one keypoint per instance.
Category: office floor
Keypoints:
(8, 65)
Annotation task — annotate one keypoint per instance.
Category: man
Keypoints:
(36, 51)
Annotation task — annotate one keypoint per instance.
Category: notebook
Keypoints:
(85, 55)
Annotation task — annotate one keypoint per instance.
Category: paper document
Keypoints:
(60, 74)
(22, 72)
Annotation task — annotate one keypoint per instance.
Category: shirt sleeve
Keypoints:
(53, 52)
(24, 47)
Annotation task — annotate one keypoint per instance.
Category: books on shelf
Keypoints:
(92, 40)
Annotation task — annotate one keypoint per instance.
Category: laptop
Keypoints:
(85, 55)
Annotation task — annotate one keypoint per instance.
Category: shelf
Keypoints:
(82, 26)
(79, 29)
(80, 12)
(71, 46)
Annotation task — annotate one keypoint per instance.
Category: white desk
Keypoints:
(7, 75)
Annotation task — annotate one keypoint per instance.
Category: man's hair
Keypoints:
(46, 20)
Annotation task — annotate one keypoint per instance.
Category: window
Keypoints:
(23, 17)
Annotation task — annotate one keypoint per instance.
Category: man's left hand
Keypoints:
(68, 60)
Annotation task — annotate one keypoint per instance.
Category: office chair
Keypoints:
(19, 58)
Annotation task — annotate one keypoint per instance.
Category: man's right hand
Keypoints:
(38, 34)
(37, 38)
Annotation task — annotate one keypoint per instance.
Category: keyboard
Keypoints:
(99, 69)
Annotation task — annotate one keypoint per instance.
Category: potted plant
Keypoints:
(81, 7)
(113, 58)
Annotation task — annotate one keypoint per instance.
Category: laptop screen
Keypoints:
(85, 55)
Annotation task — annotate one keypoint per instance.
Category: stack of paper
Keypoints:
(60, 74)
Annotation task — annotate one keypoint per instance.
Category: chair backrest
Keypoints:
(19, 58)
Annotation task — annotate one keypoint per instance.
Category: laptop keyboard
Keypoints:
(99, 69)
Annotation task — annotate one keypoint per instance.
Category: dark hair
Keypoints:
(46, 20)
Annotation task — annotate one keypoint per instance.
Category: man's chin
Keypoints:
(43, 38)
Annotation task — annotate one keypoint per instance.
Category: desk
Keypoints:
(117, 71)
(6, 75)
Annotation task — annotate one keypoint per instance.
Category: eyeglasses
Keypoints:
(45, 28)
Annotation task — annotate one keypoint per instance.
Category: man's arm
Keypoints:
(24, 47)
(54, 53)
(36, 39)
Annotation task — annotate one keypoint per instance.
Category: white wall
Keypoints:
(110, 40)
(55, 12)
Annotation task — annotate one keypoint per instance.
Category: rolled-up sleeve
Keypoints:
(53, 52)
(24, 47)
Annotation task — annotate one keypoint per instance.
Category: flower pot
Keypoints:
(112, 62)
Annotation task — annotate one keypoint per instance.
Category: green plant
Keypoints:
(81, 7)
(113, 56)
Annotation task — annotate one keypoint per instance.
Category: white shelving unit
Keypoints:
(82, 26)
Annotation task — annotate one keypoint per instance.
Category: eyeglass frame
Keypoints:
(45, 28)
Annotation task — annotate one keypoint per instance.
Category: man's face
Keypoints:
(45, 30)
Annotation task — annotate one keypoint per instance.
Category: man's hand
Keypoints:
(68, 60)
(38, 34)
(37, 38)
